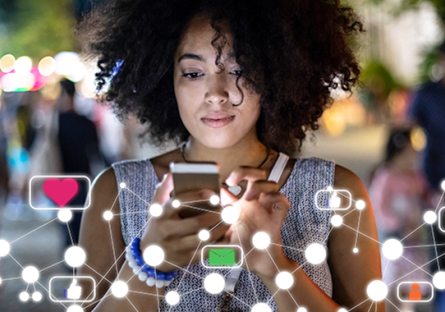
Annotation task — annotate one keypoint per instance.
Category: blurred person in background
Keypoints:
(428, 111)
(398, 195)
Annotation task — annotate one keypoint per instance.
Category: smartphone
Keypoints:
(194, 176)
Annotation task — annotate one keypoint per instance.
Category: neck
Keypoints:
(247, 152)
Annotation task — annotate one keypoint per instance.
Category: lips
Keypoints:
(215, 122)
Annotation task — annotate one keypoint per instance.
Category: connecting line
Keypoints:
(440, 200)
(94, 302)
(301, 266)
(97, 274)
(418, 246)
(132, 303)
(216, 225)
(134, 274)
(363, 234)
(142, 293)
(386, 266)
(239, 262)
(206, 210)
(184, 269)
(393, 304)
(127, 213)
(33, 230)
(372, 303)
(273, 296)
(69, 231)
(287, 247)
(195, 201)
(272, 260)
(413, 231)
(138, 196)
(327, 236)
(189, 292)
(11, 279)
(112, 245)
(51, 265)
(416, 265)
(27, 286)
(358, 227)
(298, 306)
(359, 304)
(435, 247)
(247, 265)
(15, 260)
(117, 196)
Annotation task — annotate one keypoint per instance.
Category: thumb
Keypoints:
(227, 198)
(73, 283)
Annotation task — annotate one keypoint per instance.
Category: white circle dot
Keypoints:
(204, 235)
(284, 280)
(24, 296)
(355, 250)
(155, 210)
(30, 274)
(301, 309)
(75, 256)
(108, 215)
(392, 249)
(153, 255)
(377, 290)
(430, 217)
(1, 281)
(261, 240)
(261, 307)
(214, 200)
(75, 308)
(172, 298)
(37, 296)
(360, 204)
(439, 280)
(119, 289)
(65, 215)
(442, 185)
(214, 283)
(230, 214)
(315, 253)
(342, 310)
(123, 185)
(336, 220)
(176, 203)
(4, 248)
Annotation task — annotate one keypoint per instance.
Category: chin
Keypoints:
(218, 142)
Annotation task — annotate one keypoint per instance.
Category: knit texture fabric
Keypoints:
(304, 225)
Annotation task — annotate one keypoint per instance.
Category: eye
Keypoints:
(192, 75)
(237, 72)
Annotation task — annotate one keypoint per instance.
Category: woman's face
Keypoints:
(205, 94)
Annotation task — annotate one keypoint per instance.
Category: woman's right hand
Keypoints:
(179, 237)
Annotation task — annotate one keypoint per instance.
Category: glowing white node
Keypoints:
(301, 309)
(123, 185)
(119, 289)
(261, 307)
(204, 235)
(75, 308)
(153, 255)
(7, 63)
(30, 274)
(37, 296)
(214, 283)
(230, 214)
(315, 253)
(108, 215)
(377, 290)
(355, 250)
(342, 310)
(261, 240)
(360, 204)
(336, 220)
(442, 185)
(439, 280)
(430, 217)
(392, 249)
(329, 188)
(24, 296)
(23, 65)
(284, 280)
(155, 210)
(64, 215)
(1, 281)
(4, 248)
(172, 298)
(214, 200)
(75, 256)
(176, 203)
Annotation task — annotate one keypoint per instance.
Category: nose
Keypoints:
(217, 90)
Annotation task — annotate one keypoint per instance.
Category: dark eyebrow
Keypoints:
(191, 56)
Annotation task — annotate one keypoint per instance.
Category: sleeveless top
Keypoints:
(305, 224)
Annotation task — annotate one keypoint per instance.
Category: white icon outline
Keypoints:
(423, 282)
(221, 266)
(440, 219)
(72, 278)
(333, 190)
(58, 177)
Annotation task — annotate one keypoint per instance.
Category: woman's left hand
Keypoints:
(262, 208)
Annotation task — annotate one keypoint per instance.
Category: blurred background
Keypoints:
(389, 132)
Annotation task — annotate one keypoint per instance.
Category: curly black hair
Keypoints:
(292, 53)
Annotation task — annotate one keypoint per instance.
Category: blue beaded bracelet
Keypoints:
(146, 273)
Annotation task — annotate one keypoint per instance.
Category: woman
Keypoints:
(239, 82)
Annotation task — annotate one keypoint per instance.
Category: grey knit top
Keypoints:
(304, 225)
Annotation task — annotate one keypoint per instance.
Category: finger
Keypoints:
(254, 189)
(245, 173)
(193, 241)
(193, 225)
(227, 197)
(163, 189)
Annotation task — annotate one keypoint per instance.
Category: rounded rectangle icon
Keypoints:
(333, 199)
(441, 216)
(417, 291)
(222, 256)
(55, 192)
(68, 289)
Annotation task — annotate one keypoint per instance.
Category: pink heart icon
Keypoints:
(61, 191)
